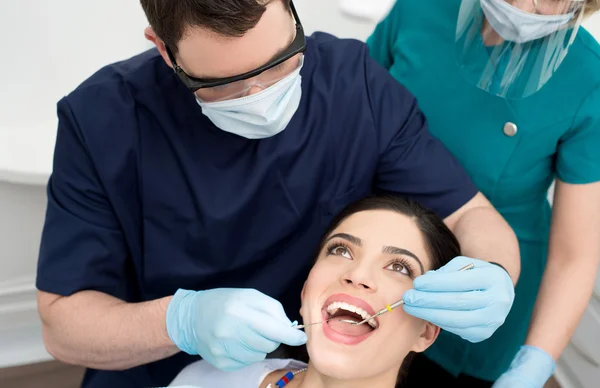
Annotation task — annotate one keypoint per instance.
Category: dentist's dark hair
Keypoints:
(440, 243)
(229, 18)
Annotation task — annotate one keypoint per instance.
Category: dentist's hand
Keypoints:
(229, 328)
(530, 368)
(471, 304)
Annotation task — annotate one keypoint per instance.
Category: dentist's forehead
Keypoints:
(205, 54)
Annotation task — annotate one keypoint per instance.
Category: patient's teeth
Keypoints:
(362, 312)
(335, 306)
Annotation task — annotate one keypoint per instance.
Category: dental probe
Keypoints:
(317, 323)
(399, 303)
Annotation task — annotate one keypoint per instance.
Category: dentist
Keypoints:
(193, 182)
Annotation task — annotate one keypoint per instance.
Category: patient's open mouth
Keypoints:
(345, 307)
(349, 312)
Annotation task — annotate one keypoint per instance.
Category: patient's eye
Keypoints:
(339, 250)
(400, 266)
(397, 267)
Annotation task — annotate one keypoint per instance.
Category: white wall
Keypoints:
(593, 25)
(49, 47)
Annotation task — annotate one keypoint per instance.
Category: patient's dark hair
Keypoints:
(230, 18)
(440, 243)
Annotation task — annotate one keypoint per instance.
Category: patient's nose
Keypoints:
(360, 276)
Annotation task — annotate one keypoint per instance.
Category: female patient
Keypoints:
(367, 259)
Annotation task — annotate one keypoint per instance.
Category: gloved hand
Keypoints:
(530, 368)
(471, 304)
(229, 328)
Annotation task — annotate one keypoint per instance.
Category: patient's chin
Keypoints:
(336, 367)
(340, 363)
(365, 361)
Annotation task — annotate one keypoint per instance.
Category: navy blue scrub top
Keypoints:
(148, 196)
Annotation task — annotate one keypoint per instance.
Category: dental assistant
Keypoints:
(512, 88)
(192, 184)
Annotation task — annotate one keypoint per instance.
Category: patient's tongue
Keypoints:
(348, 328)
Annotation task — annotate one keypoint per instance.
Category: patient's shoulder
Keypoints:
(201, 374)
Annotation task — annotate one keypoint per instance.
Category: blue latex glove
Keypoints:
(471, 304)
(531, 368)
(229, 328)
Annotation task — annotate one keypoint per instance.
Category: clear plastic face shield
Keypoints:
(511, 48)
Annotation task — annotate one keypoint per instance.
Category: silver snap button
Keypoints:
(510, 129)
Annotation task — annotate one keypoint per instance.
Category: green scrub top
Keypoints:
(513, 150)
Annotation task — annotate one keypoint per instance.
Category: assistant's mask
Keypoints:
(261, 115)
(516, 25)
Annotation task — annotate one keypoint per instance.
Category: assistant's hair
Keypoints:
(440, 243)
(230, 18)
(591, 7)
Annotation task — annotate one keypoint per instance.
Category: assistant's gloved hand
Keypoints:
(471, 304)
(229, 328)
(530, 368)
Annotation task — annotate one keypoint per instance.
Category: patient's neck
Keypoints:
(312, 378)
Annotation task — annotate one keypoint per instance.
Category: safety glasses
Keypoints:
(194, 84)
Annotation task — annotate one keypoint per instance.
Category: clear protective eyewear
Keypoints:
(512, 48)
(242, 88)
(220, 89)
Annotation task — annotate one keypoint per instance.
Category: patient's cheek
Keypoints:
(318, 280)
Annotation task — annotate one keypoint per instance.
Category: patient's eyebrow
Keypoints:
(353, 239)
(402, 252)
(390, 250)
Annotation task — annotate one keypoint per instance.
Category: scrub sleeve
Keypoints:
(82, 245)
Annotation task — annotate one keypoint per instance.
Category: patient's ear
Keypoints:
(302, 292)
(302, 298)
(428, 336)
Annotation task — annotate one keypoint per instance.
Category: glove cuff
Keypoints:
(534, 363)
(180, 326)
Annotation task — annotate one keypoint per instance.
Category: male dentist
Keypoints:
(191, 185)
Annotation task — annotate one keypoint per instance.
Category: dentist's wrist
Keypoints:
(179, 322)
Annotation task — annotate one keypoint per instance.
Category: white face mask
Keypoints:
(518, 26)
(261, 115)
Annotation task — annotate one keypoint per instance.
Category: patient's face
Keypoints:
(369, 261)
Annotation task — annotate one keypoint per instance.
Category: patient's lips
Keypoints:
(344, 306)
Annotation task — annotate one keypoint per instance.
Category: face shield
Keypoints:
(511, 48)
